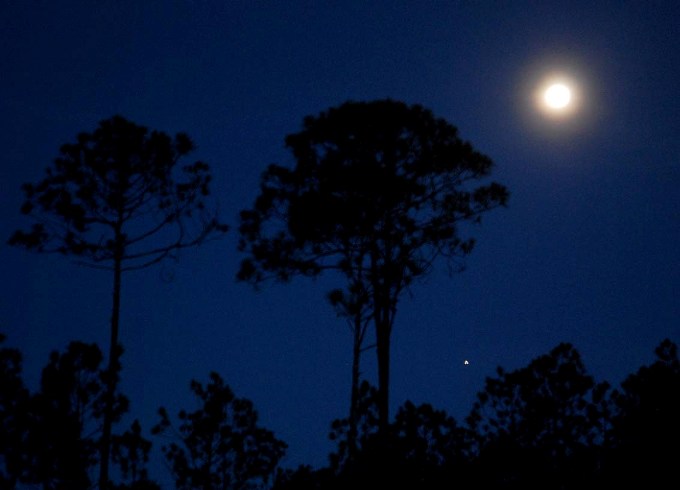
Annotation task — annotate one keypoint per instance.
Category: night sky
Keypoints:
(586, 251)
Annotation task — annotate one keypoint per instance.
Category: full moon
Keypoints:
(557, 96)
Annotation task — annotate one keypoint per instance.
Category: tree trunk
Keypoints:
(111, 377)
(354, 398)
(382, 320)
(382, 330)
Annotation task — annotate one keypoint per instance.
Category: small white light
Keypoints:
(466, 362)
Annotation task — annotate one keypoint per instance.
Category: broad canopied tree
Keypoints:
(117, 199)
(379, 191)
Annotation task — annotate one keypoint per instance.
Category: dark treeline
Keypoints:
(546, 425)
(380, 193)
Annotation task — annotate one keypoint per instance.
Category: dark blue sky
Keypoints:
(587, 251)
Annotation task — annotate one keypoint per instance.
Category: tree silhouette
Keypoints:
(355, 436)
(540, 426)
(378, 193)
(130, 451)
(65, 417)
(113, 201)
(424, 448)
(220, 445)
(646, 424)
(355, 308)
(433, 447)
(304, 477)
(13, 422)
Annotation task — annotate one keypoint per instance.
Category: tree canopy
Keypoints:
(115, 194)
(219, 445)
(113, 200)
(540, 424)
(378, 193)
